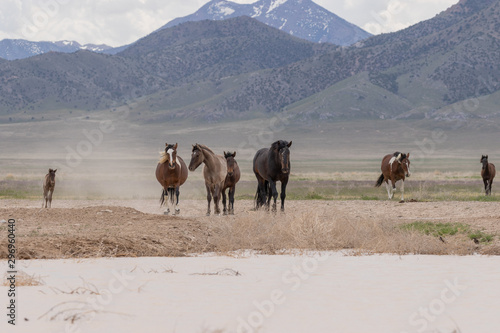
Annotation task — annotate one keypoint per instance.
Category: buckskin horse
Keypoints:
(171, 173)
(48, 188)
(214, 172)
(271, 165)
(232, 177)
(394, 168)
(488, 173)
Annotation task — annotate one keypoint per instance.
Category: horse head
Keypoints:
(281, 148)
(230, 162)
(52, 176)
(484, 161)
(171, 155)
(196, 157)
(404, 160)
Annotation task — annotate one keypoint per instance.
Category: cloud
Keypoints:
(119, 22)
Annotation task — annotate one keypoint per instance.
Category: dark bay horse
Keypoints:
(214, 172)
(488, 173)
(171, 173)
(232, 177)
(49, 185)
(394, 168)
(271, 165)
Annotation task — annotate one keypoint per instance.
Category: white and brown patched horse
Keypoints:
(171, 173)
(49, 185)
(488, 172)
(394, 167)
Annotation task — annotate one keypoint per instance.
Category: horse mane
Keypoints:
(279, 144)
(203, 147)
(163, 157)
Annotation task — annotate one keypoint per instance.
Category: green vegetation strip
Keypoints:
(448, 229)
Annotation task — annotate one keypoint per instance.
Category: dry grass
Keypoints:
(25, 280)
(281, 233)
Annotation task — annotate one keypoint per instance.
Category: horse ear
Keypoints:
(166, 144)
(50, 170)
(290, 144)
(486, 156)
(175, 147)
(234, 154)
(408, 155)
(55, 170)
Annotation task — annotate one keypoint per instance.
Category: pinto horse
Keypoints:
(214, 172)
(48, 187)
(232, 177)
(271, 165)
(488, 173)
(171, 173)
(394, 168)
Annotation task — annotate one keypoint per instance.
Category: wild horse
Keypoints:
(271, 165)
(394, 168)
(48, 187)
(171, 173)
(487, 173)
(232, 177)
(214, 172)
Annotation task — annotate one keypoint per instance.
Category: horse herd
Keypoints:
(270, 165)
(221, 172)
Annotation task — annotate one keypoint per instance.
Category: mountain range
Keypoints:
(12, 49)
(301, 18)
(240, 68)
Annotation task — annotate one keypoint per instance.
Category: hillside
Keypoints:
(301, 18)
(207, 50)
(187, 53)
(443, 64)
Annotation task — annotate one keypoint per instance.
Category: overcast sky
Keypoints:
(119, 22)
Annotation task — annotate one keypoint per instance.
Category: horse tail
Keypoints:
(380, 180)
(171, 194)
(162, 198)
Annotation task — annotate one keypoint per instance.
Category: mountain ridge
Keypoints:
(301, 18)
(14, 49)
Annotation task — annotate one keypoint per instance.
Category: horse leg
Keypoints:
(50, 198)
(224, 212)
(217, 190)
(485, 181)
(262, 197)
(274, 193)
(177, 209)
(231, 200)
(403, 191)
(283, 194)
(44, 201)
(489, 186)
(389, 190)
(209, 199)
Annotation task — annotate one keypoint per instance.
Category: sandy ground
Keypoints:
(278, 294)
(79, 228)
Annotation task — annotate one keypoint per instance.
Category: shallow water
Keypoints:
(303, 293)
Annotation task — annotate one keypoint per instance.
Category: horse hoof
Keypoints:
(225, 213)
(402, 201)
(208, 214)
(177, 212)
(231, 212)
